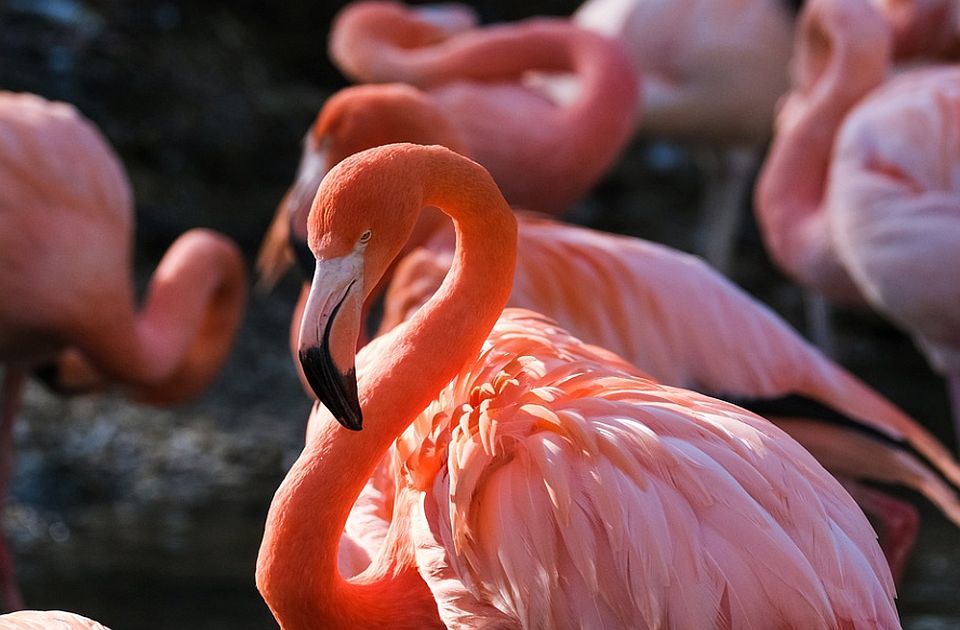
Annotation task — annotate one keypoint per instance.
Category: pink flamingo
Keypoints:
(858, 195)
(541, 482)
(66, 275)
(544, 156)
(713, 71)
(47, 619)
(665, 312)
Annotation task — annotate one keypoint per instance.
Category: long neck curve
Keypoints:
(297, 568)
(595, 127)
(171, 350)
(842, 52)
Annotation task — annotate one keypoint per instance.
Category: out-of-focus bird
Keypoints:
(544, 156)
(541, 482)
(923, 29)
(667, 313)
(859, 197)
(69, 307)
(894, 210)
(47, 620)
(712, 71)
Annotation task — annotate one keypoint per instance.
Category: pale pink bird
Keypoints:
(713, 71)
(860, 193)
(544, 156)
(665, 312)
(66, 274)
(47, 620)
(895, 220)
(541, 482)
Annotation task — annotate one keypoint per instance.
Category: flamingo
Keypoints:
(544, 156)
(633, 297)
(47, 620)
(541, 482)
(713, 71)
(69, 304)
(896, 218)
(857, 195)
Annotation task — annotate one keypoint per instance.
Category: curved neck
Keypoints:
(172, 349)
(841, 55)
(297, 568)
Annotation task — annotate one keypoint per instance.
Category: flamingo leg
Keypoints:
(897, 521)
(728, 174)
(817, 314)
(10, 396)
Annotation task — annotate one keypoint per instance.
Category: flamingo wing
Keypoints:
(648, 498)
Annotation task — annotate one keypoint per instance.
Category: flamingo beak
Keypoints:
(328, 336)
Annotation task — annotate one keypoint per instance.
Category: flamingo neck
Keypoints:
(172, 348)
(598, 123)
(836, 66)
(297, 568)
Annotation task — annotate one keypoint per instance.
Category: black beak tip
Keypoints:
(351, 422)
(337, 391)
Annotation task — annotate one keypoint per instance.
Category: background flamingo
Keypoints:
(663, 311)
(713, 71)
(65, 272)
(850, 184)
(895, 219)
(545, 156)
(504, 476)
(47, 620)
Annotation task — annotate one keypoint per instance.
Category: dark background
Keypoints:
(146, 518)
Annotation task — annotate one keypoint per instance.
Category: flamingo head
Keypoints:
(362, 216)
(353, 120)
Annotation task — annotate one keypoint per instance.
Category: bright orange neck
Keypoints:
(297, 571)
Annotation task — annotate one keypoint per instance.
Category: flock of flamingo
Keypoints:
(522, 423)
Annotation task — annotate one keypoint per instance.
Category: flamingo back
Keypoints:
(657, 507)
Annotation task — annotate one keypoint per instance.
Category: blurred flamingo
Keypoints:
(544, 156)
(713, 71)
(665, 312)
(859, 193)
(66, 275)
(47, 620)
(923, 28)
(708, 514)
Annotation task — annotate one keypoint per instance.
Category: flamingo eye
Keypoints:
(366, 236)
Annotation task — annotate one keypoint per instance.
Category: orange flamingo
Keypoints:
(858, 195)
(541, 482)
(635, 298)
(66, 276)
(544, 156)
(47, 619)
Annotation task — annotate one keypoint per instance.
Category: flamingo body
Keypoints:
(896, 216)
(47, 620)
(69, 309)
(541, 482)
(541, 424)
(712, 69)
(666, 312)
(858, 199)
